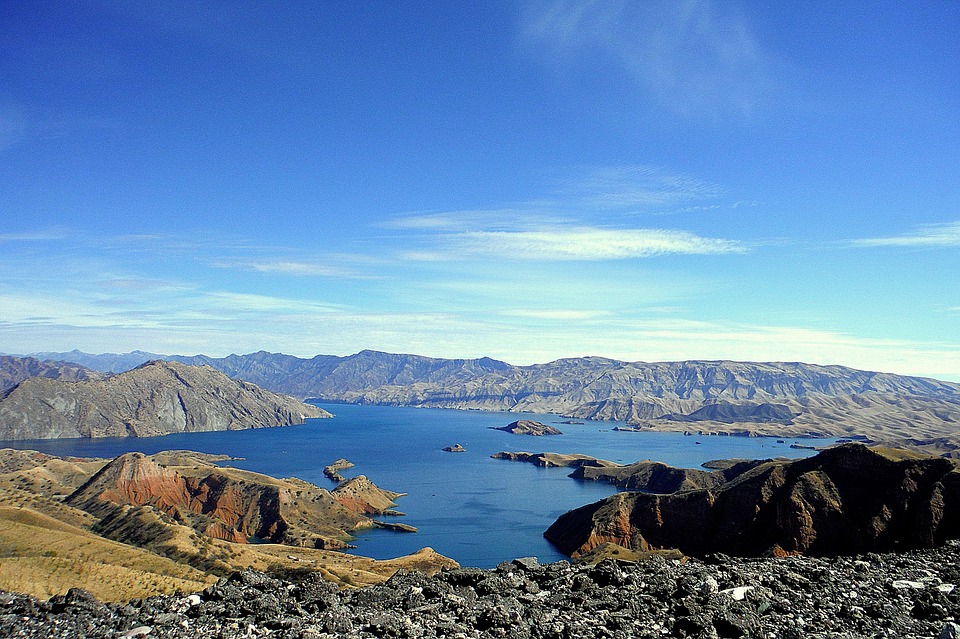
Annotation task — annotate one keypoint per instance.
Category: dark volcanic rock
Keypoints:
(528, 427)
(906, 596)
(845, 500)
(157, 398)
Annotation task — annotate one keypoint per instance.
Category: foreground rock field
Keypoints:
(894, 595)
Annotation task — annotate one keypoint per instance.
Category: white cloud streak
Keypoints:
(632, 186)
(926, 236)
(588, 244)
(560, 315)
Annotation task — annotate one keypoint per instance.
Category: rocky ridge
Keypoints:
(14, 370)
(772, 398)
(907, 596)
(157, 398)
(845, 500)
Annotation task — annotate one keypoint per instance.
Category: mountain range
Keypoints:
(709, 397)
(157, 398)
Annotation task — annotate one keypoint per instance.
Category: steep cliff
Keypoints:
(157, 398)
(845, 500)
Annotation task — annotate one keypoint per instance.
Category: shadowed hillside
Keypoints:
(846, 500)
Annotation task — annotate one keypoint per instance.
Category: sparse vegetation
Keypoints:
(121, 552)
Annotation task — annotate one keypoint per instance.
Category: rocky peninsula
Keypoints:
(845, 500)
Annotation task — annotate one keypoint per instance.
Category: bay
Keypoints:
(467, 506)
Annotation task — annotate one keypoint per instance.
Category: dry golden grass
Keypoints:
(18, 498)
(42, 556)
(340, 568)
(45, 474)
(47, 547)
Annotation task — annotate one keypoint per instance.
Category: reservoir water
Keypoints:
(467, 506)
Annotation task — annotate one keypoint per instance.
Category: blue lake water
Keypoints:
(477, 510)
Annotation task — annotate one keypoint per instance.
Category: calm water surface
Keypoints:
(477, 510)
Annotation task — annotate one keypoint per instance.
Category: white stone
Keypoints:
(904, 584)
(738, 593)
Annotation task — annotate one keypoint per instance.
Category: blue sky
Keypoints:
(523, 180)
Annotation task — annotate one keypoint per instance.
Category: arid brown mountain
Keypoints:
(848, 499)
(139, 525)
(157, 398)
(774, 398)
(235, 505)
(104, 362)
(14, 370)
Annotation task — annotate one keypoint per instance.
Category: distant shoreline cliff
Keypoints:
(786, 399)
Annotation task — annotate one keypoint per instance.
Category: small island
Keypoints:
(456, 448)
(332, 471)
(528, 427)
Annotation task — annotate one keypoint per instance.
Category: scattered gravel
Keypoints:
(904, 595)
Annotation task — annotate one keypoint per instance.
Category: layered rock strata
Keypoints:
(235, 505)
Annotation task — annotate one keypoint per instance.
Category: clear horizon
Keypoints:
(527, 181)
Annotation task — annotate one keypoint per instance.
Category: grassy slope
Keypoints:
(43, 556)
(47, 547)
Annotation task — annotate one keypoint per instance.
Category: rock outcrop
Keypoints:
(657, 477)
(909, 595)
(157, 398)
(332, 471)
(234, 505)
(360, 495)
(528, 427)
(846, 500)
(554, 460)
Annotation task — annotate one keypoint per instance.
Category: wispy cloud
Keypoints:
(635, 186)
(529, 216)
(556, 314)
(697, 57)
(46, 235)
(928, 235)
(292, 267)
(582, 244)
